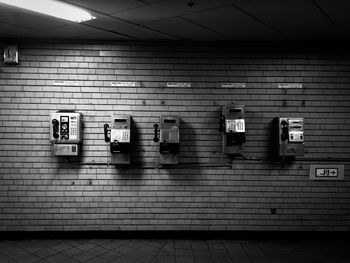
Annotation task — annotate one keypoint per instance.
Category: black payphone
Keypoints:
(232, 126)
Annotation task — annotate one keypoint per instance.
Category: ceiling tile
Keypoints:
(126, 29)
(28, 19)
(338, 11)
(233, 23)
(107, 6)
(77, 31)
(168, 9)
(13, 31)
(172, 20)
(151, 1)
(295, 18)
(193, 32)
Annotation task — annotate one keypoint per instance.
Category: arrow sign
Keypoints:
(327, 172)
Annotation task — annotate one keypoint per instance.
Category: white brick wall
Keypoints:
(38, 192)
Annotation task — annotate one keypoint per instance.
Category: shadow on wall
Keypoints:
(188, 149)
(139, 171)
(265, 127)
(133, 170)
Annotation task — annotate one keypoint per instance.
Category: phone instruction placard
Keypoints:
(237, 125)
(120, 135)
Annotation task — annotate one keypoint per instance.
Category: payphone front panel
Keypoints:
(290, 136)
(119, 136)
(66, 133)
(169, 139)
(232, 126)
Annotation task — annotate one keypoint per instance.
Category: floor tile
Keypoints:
(46, 252)
(185, 244)
(184, 251)
(6, 259)
(174, 251)
(223, 260)
(184, 259)
(73, 251)
(96, 260)
(166, 259)
(111, 255)
(83, 256)
(57, 258)
(201, 259)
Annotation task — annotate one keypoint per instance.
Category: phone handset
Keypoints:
(55, 123)
(284, 134)
(221, 122)
(105, 130)
(156, 138)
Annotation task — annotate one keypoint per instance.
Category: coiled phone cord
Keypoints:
(109, 155)
(53, 148)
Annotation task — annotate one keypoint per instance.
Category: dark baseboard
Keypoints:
(201, 235)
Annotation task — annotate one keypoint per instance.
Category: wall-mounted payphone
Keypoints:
(119, 137)
(66, 132)
(169, 139)
(290, 132)
(232, 126)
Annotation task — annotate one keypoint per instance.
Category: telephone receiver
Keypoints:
(156, 138)
(284, 134)
(55, 123)
(221, 122)
(105, 130)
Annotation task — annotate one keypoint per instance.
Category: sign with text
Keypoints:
(290, 85)
(65, 83)
(178, 85)
(123, 84)
(233, 85)
(326, 172)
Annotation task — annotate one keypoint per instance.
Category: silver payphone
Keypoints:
(290, 133)
(169, 139)
(66, 132)
(232, 126)
(119, 137)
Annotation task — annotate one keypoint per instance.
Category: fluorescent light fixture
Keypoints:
(52, 8)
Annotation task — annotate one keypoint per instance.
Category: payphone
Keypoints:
(290, 133)
(169, 139)
(66, 132)
(232, 126)
(118, 135)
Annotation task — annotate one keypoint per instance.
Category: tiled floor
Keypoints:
(171, 251)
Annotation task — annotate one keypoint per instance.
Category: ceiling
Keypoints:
(197, 20)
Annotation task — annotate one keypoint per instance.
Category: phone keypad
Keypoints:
(73, 128)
